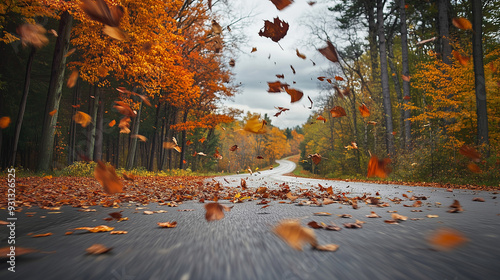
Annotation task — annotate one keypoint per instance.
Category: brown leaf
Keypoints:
(462, 23)
(338, 78)
(232, 63)
(373, 215)
(474, 168)
(277, 86)
(115, 33)
(291, 197)
(315, 224)
(33, 34)
(327, 247)
(97, 249)
(274, 30)
(295, 94)
(4, 122)
(140, 137)
(337, 112)
(352, 225)
(19, 251)
(167, 224)
(233, 148)
(294, 234)
(365, 112)
(254, 49)
(124, 125)
(82, 118)
(405, 78)
(116, 215)
(470, 152)
(456, 207)
(214, 211)
(329, 52)
(216, 28)
(281, 4)
(99, 11)
(378, 168)
(398, 217)
(124, 109)
(299, 54)
(322, 214)
(446, 239)
(293, 69)
(480, 199)
(107, 177)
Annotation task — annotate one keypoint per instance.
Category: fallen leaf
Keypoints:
(398, 217)
(107, 177)
(352, 225)
(101, 228)
(294, 234)
(233, 148)
(480, 199)
(167, 224)
(455, 207)
(373, 215)
(42, 234)
(97, 249)
(118, 232)
(291, 197)
(322, 214)
(446, 239)
(327, 247)
(432, 216)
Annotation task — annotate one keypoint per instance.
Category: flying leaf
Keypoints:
(295, 94)
(51, 113)
(426, 41)
(276, 86)
(124, 125)
(310, 107)
(72, 79)
(255, 125)
(338, 78)
(299, 54)
(446, 239)
(144, 99)
(462, 23)
(33, 34)
(470, 152)
(321, 118)
(107, 177)
(70, 52)
(140, 137)
(405, 78)
(280, 76)
(342, 92)
(316, 158)
(455, 207)
(112, 123)
(215, 211)
(281, 4)
(217, 155)
(124, 109)
(53, 32)
(474, 168)
(294, 234)
(216, 28)
(99, 11)
(293, 69)
(337, 112)
(82, 118)
(463, 60)
(329, 52)
(232, 62)
(378, 168)
(4, 122)
(365, 112)
(114, 32)
(254, 49)
(97, 249)
(311, 3)
(274, 30)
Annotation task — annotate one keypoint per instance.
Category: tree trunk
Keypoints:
(406, 72)
(153, 139)
(372, 38)
(72, 156)
(477, 53)
(22, 106)
(399, 94)
(443, 42)
(55, 92)
(99, 124)
(133, 140)
(91, 129)
(183, 141)
(385, 79)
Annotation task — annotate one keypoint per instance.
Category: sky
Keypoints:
(254, 70)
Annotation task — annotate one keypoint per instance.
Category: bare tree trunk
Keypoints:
(93, 107)
(443, 42)
(153, 139)
(72, 125)
(399, 94)
(99, 124)
(133, 140)
(406, 72)
(372, 38)
(385, 79)
(477, 53)
(183, 141)
(55, 92)
(22, 106)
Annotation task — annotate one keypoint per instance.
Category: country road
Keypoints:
(243, 246)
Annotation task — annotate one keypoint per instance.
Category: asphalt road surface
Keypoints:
(243, 246)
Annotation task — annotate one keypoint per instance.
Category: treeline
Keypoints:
(128, 82)
(421, 89)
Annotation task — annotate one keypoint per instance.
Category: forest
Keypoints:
(139, 84)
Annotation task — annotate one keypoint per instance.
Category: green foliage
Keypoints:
(79, 169)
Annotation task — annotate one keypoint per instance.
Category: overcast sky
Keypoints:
(254, 70)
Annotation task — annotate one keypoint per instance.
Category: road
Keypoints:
(243, 246)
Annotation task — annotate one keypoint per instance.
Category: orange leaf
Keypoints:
(32, 34)
(470, 152)
(51, 113)
(4, 122)
(405, 78)
(140, 137)
(329, 52)
(321, 118)
(254, 49)
(337, 112)
(295, 94)
(338, 78)
(99, 11)
(365, 112)
(474, 168)
(214, 211)
(107, 177)
(72, 79)
(464, 60)
(281, 4)
(462, 23)
(101, 228)
(124, 109)
(188, 142)
(255, 125)
(43, 234)
(378, 168)
(167, 224)
(97, 249)
(82, 118)
(446, 239)
(124, 125)
(274, 30)
(276, 86)
(299, 54)
(202, 139)
(112, 123)
(294, 234)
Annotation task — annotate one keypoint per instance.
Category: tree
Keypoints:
(479, 78)
(406, 73)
